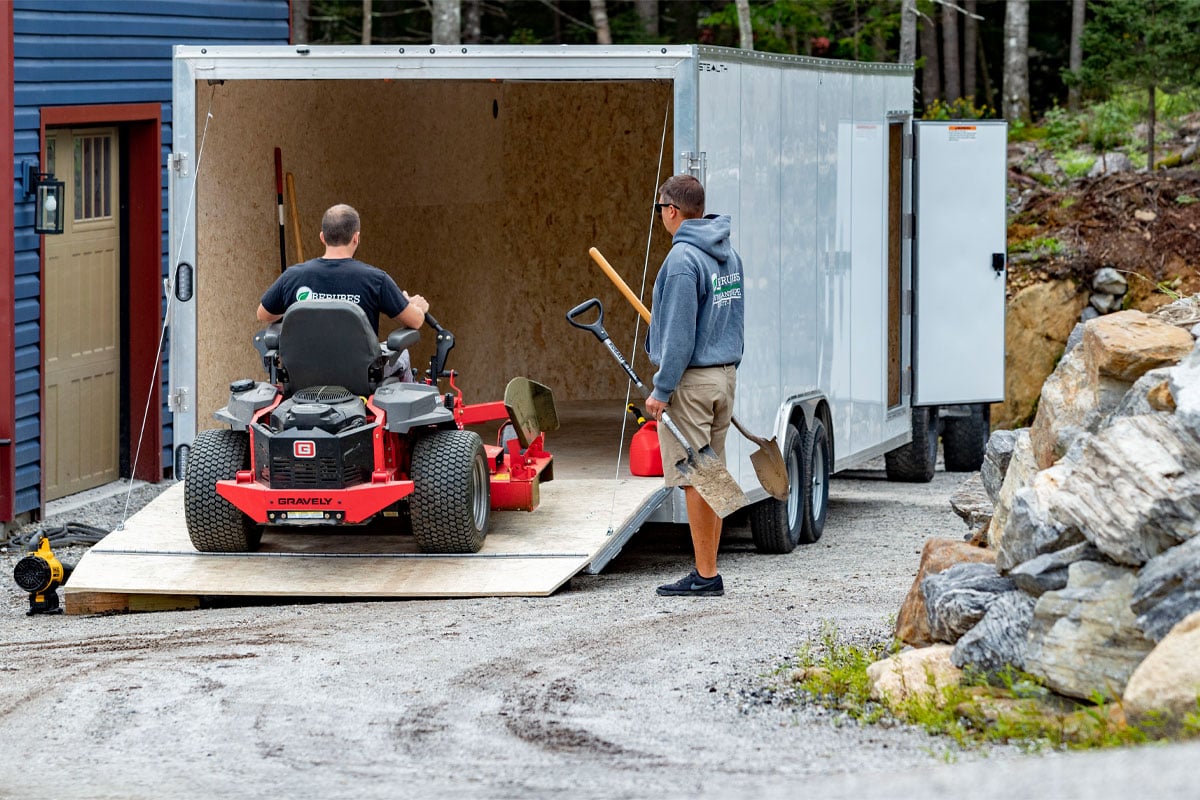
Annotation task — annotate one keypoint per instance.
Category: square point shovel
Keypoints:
(703, 469)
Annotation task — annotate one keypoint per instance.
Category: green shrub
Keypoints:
(1075, 163)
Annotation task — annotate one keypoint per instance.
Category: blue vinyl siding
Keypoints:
(93, 52)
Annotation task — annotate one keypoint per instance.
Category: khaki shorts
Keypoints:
(700, 407)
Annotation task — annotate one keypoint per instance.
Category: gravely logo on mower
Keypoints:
(304, 501)
(304, 449)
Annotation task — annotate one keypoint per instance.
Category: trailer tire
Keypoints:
(777, 526)
(915, 461)
(213, 523)
(450, 506)
(964, 439)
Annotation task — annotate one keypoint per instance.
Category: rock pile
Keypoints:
(1085, 569)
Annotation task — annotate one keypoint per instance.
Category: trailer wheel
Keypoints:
(915, 461)
(214, 524)
(451, 502)
(964, 439)
(777, 526)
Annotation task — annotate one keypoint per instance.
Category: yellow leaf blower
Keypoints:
(41, 574)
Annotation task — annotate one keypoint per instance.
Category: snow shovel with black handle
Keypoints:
(703, 469)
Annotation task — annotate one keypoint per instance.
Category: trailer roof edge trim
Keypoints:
(328, 58)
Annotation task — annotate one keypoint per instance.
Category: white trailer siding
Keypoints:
(796, 153)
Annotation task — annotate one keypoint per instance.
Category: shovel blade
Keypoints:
(770, 468)
(706, 473)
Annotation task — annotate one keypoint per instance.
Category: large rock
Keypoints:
(1022, 466)
(1048, 572)
(1185, 388)
(1137, 401)
(995, 461)
(999, 639)
(957, 598)
(1032, 527)
(1134, 491)
(1083, 641)
(1039, 319)
(1165, 685)
(971, 503)
(1128, 344)
(1068, 409)
(912, 623)
(913, 673)
(1168, 589)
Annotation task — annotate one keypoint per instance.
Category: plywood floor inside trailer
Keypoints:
(150, 564)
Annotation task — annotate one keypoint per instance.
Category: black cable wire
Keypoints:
(60, 535)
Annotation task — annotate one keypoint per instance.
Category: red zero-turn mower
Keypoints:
(330, 441)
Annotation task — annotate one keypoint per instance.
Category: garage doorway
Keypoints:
(82, 344)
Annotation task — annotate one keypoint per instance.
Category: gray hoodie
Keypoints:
(699, 309)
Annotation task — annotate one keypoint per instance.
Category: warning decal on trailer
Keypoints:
(959, 133)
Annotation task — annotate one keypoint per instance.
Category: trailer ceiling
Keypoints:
(483, 196)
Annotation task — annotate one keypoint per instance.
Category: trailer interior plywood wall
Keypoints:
(482, 196)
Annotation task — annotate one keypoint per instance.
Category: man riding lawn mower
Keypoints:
(329, 441)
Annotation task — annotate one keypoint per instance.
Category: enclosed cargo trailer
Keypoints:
(484, 174)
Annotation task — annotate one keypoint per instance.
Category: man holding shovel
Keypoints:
(696, 340)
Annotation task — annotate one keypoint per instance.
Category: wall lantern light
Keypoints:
(48, 210)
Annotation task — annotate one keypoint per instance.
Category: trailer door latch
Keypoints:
(177, 400)
(179, 163)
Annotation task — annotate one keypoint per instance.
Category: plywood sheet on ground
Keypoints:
(530, 554)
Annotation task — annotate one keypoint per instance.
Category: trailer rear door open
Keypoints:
(960, 262)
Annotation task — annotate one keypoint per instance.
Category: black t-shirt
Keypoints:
(337, 279)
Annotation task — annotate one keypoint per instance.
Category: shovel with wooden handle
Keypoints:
(767, 460)
(703, 469)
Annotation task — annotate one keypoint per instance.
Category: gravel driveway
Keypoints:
(602, 690)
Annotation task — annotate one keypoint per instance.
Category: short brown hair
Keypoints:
(339, 225)
(686, 193)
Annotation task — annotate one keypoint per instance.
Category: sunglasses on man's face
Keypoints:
(658, 207)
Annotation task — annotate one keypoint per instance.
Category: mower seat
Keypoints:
(329, 343)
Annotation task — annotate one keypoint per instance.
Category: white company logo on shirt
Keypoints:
(305, 293)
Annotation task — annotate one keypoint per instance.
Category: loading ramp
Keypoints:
(583, 521)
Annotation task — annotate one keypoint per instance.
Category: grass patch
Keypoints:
(1037, 246)
(1076, 163)
(1009, 707)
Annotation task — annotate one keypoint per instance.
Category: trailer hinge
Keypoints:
(906, 383)
(694, 164)
(908, 223)
(908, 302)
(177, 400)
(908, 146)
(178, 162)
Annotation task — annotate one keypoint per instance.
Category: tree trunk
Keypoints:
(1150, 131)
(366, 26)
(908, 31)
(1016, 60)
(600, 20)
(989, 94)
(970, 39)
(299, 21)
(687, 22)
(931, 87)
(647, 11)
(472, 21)
(447, 21)
(1075, 62)
(950, 64)
(745, 27)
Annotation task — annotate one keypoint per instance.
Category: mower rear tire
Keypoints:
(214, 524)
(451, 503)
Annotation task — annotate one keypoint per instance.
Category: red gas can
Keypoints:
(645, 458)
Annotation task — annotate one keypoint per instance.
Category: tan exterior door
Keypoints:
(81, 430)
